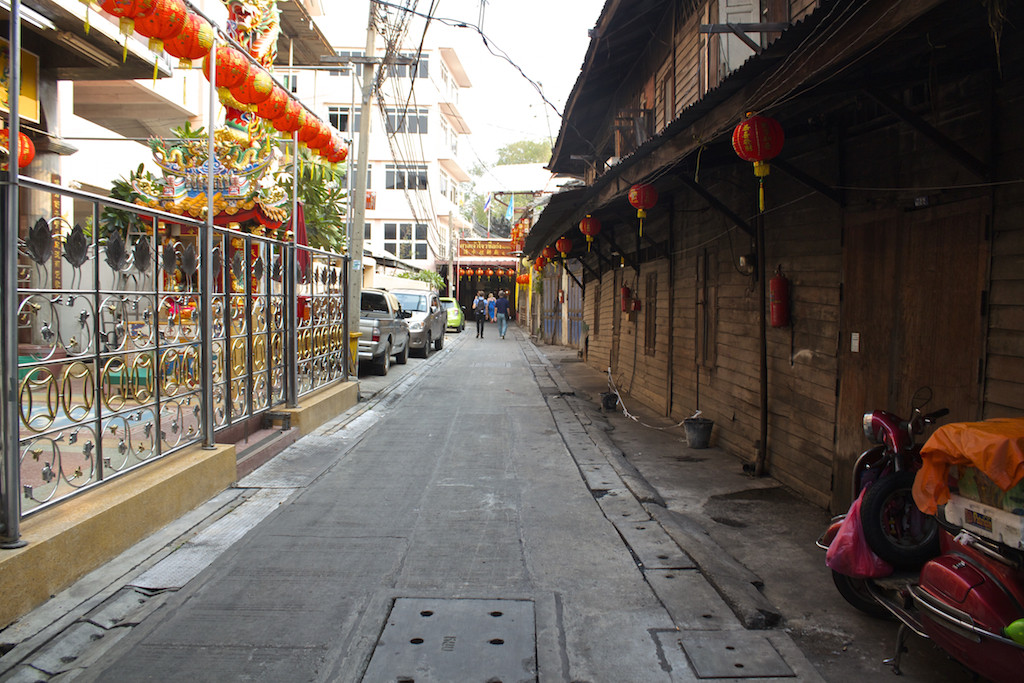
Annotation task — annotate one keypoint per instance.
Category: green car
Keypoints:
(456, 316)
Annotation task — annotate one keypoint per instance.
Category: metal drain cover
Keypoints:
(733, 654)
(430, 639)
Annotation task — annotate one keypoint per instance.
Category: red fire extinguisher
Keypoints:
(778, 301)
(627, 299)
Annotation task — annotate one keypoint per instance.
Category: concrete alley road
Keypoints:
(446, 534)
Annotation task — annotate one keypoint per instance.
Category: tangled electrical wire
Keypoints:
(606, 400)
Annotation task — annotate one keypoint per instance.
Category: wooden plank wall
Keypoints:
(1004, 376)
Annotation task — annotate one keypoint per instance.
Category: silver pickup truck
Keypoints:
(383, 329)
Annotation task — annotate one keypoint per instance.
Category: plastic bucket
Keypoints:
(698, 431)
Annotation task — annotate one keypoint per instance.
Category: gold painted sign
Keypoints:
(475, 248)
(28, 103)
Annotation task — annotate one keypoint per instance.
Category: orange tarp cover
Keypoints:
(995, 447)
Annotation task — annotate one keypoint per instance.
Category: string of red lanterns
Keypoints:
(171, 27)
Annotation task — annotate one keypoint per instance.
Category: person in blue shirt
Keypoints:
(501, 313)
(490, 306)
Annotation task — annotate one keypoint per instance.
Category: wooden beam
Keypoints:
(808, 180)
(716, 203)
(915, 121)
(625, 257)
(570, 274)
(587, 267)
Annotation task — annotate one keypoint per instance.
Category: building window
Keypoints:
(339, 117)
(651, 315)
(406, 240)
(707, 307)
(405, 177)
(367, 232)
(291, 83)
(346, 54)
(418, 69)
(412, 120)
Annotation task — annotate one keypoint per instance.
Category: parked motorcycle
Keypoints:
(896, 530)
(969, 597)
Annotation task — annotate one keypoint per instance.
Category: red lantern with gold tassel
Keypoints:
(642, 196)
(590, 227)
(310, 129)
(758, 139)
(256, 88)
(322, 139)
(563, 245)
(479, 272)
(232, 67)
(127, 11)
(549, 253)
(194, 41)
(166, 21)
(275, 105)
(293, 117)
(540, 263)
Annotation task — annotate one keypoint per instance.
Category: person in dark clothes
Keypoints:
(501, 313)
(480, 310)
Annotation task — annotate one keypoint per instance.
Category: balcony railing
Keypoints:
(114, 346)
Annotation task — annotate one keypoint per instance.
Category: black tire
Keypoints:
(403, 357)
(383, 364)
(855, 592)
(439, 342)
(428, 344)
(895, 529)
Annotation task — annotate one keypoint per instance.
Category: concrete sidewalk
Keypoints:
(684, 569)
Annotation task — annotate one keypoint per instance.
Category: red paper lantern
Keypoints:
(26, 148)
(232, 67)
(563, 245)
(479, 272)
(540, 263)
(642, 196)
(758, 139)
(549, 252)
(127, 11)
(256, 88)
(322, 139)
(310, 128)
(274, 106)
(194, 41)
(292, 118)
(166, 21)
(590, 227)
(490, 272)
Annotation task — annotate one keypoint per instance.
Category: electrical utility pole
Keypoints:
(358, 203)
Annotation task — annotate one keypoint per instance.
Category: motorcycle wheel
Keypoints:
(895, 529)
(855, 592)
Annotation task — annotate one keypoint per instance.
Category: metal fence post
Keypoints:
(206, 259)
(10, 533)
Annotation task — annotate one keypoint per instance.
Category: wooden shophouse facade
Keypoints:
(895, 211)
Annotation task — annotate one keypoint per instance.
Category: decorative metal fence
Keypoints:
(113, 341)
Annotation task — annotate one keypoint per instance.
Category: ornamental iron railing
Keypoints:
(112, 344)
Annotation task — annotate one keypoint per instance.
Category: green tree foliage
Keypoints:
(426, 276)
(524, 152)
(520, 152)
(322, 193)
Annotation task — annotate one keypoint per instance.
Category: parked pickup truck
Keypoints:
(383, 329)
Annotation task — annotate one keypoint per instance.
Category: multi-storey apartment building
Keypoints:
(414, 170)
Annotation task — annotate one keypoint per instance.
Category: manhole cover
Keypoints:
(733, 654)
(430, 639)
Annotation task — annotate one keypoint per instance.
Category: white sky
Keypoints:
(546, 38)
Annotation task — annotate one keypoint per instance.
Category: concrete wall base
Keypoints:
(71, 539)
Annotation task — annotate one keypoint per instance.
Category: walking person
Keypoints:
(480, 310)
(490, 306)
(501, 313)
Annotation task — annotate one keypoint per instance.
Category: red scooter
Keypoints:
(968, 597)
